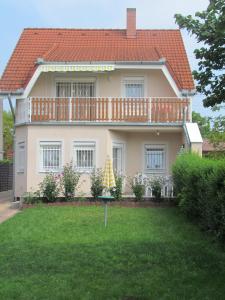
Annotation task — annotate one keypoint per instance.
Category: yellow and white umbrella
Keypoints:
(108, 182)
(108, 176)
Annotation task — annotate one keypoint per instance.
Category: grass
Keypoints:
(144, 253)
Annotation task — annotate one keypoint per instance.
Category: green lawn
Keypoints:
(144, 253)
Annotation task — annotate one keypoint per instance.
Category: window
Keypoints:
(154, 157)
(50, 156)
(75, 89)
(134, 88)
(84, 155)
(118, 158)
(21, 157)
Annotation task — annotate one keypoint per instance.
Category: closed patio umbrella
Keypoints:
(108, 182)
(108, 176)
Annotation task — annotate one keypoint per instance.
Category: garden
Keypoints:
(66, 187)
(143, 253)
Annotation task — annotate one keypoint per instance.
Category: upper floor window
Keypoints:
(155, 158)
(134, 87)
(75, 89)
(50, 156)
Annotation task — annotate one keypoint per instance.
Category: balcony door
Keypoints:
(83, 101)
(75, 89)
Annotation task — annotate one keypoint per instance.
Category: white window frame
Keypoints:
(84, 146)
(21, 157)
(154, 146)
(120, 145)
(134, 80)
(91, 80)
(42, 168)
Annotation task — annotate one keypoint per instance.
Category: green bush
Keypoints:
(200, 189)
(156, 186)
(97, 186)
(31, 198)
(116, 192)
(69, 181)
(49, 188)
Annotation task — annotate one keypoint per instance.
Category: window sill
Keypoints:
(50, 171)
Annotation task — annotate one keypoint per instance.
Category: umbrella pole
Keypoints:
(105, 214)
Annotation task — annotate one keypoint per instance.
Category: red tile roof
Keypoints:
(76, 45)
(207, 146)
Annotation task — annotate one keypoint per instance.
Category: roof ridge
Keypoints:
(98, 29)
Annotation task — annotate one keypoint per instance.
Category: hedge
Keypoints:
(199, 185)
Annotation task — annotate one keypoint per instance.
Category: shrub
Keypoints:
(200, 189)
(68, 181)
(31, 198)
(138, 187)
(156, 185)
(49, 188)
(97, 186)
(116, 192)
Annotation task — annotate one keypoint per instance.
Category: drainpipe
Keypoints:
(14, 143)
(185, 128)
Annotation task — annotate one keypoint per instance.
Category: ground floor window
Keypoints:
(118, 153)
(84, 156)
(155, 157)
(20, 157)
(50, 156)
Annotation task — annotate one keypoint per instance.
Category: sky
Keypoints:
(151, 14)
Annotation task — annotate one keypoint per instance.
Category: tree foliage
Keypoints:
(7, 131)
(203, 123)
(209, 28)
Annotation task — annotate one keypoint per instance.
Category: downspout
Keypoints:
(14, 144)
(185, 128)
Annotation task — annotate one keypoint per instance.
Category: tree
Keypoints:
(7, 131)
(203, 123)
(209, 28)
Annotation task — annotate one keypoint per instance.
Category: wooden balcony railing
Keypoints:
(111, 109)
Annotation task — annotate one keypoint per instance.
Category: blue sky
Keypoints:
(18, 14)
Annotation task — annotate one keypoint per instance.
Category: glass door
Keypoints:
(118, 158)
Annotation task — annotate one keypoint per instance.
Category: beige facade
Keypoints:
(133, 139)
(107, 84)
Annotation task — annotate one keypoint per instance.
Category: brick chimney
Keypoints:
(131, 23)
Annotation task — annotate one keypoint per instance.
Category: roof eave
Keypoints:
(12, 93)
(161, 61)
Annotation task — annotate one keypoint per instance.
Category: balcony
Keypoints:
(104, 110)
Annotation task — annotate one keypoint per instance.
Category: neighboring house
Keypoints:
(1, 129)
(83, 94)
(209, 148)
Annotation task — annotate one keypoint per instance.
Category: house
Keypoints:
(1, 129)
(83, 94)
(210, 149)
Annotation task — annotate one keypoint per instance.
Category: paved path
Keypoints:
(6, 211)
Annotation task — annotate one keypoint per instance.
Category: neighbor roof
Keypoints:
(208, 146)
(81, 45)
